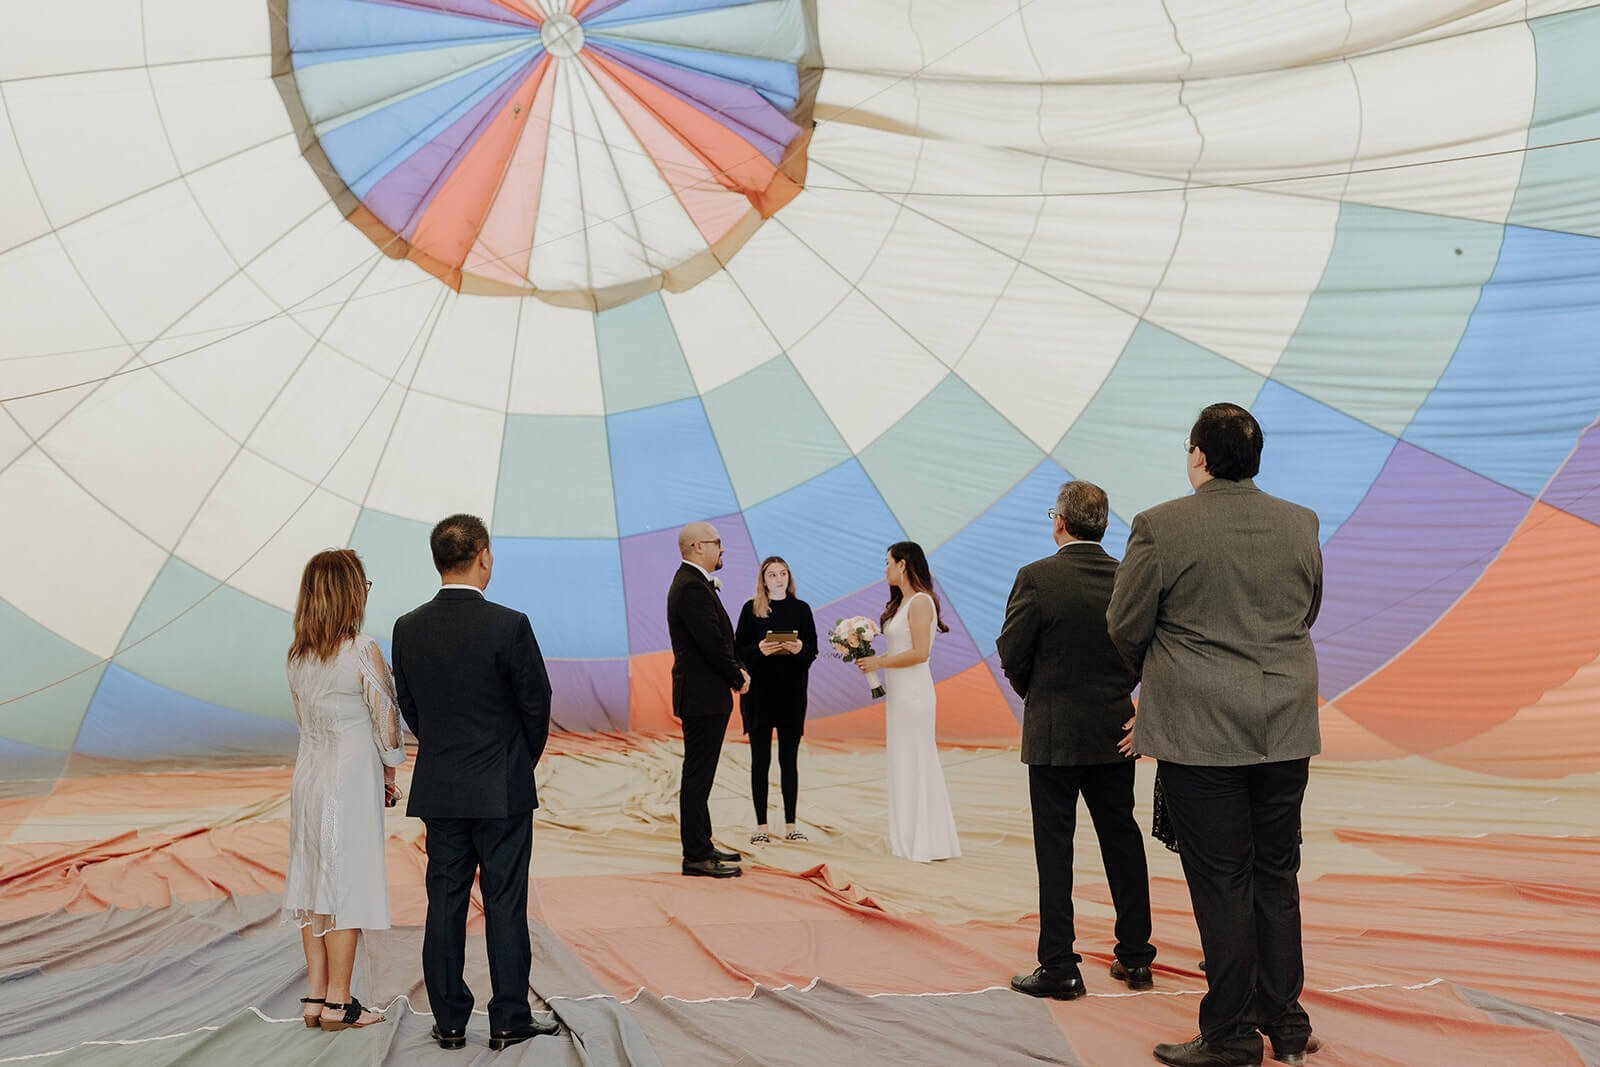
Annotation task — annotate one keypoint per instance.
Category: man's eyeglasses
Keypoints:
(1050, 513)
(717, 542)
(369, 584)
(1188, 445)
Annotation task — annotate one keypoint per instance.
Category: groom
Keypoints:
(705, 674)
(472, 686)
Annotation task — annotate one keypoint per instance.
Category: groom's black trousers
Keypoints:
(498, 851)
(1107, 790)
(702, 748)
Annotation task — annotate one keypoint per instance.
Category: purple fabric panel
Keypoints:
(1576, 487)
(650, 560)
(836, 686)
(403, 194)
(478, 9)
(1423, 535)
(589, 694)
(738, 107)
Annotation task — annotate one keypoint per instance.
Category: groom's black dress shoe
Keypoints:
(725, 857)
(710, 869)
(1135, 977)
(1201, 1053)
(448, 1039)
(499, 1039)
(1287, 1052)
(1041, 983)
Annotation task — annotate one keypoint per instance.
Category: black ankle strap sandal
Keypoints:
(352, 1016)
(313, 1020)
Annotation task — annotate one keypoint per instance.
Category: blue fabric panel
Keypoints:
(646, 10)
(338, 25)
(1525, 380)
(132, 718)
(666, 468)
(570, 589)
(778, 82)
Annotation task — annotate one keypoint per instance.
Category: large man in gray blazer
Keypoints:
(1075, 690)
(1214, 602)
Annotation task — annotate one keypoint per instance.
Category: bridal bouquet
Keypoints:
(852, 640)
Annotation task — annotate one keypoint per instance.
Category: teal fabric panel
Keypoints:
(555, 478)
(771, 431)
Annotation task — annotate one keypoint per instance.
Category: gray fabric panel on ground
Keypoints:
(1583, 1034)
(828, 1024)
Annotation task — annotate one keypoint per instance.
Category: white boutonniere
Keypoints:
(716, 584)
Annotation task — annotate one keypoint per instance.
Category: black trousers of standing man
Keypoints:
(498, 851)
(702, 748)
(1238, 832)
(1107, 789)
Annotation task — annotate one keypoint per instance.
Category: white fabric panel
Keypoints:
(1456, 97)
(1268, 126)
(862, 36)
(317, 415)
(45, 309)
(100, 554)
(254, 198)
(1245, 265)
(143, 451)
(557, 363)
(864, 370)
(847, 230)
(560, 250)
(443, 458)
(23, 217)
(386, 320)
(719, 331)
(56, 377)
(791, 288)
(936, 283)
(217, 109)
(1227, 37)
(89, 140)
(469, 356)
(351, 476)
(1043, 354)
(1383, 24)
(967, 40)
(177, 31)
(150, 259)
(1130, 40)
(1114, 247)
(237, 530)
(317, 264)
(852, 98)
(14, 441)
(232, 375)
(45, 39)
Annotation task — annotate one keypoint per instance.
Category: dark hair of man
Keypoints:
(1231, 439)
(456, 542)
(1084, 510)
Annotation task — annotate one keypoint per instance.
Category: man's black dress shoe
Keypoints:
(448, 1039)
(499, 1039)
(1201, 1053)
(709, 869)
(725, 857)
(1041, 983)
(1284, 1052)
(1135, 977)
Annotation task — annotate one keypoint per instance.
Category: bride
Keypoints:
(921, 825)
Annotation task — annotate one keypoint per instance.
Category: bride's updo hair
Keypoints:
(331, 605)
(918, 576)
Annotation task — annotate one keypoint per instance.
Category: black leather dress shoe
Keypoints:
(448, 1039)
(710, 869)
(1135, 977)
(499, 1039)
(1201, 1053)
(1285, 1052)
(1041, 983)
(726, 857)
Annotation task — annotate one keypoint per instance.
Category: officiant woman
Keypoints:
(777, 642)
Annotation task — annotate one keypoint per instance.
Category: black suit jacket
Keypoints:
(705, 667)
(472, 686)
(1058, 656)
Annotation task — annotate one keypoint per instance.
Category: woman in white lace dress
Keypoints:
(350, 746)
(921, 825)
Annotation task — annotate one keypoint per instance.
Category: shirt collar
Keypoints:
(457, 585)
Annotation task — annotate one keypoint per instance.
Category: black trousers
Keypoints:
(498, 851)
(1238, 834)
(790, 729)
(1107, 790)
(702, 748)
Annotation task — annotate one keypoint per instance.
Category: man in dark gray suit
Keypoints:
(1075, 689)
(1214, 602)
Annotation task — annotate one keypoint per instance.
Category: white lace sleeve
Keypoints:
(378, 685)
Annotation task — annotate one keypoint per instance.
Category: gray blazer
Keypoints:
(1214, 603)
(1055, 653)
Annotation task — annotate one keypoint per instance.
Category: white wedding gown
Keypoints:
(921, 825)
(349, 729)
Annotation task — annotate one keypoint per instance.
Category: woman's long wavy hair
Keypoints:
(331, 605)
(920, 578)
(763, 605)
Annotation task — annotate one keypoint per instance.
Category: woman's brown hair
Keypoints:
(331, 605)
(918, 576)
(763, 606)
